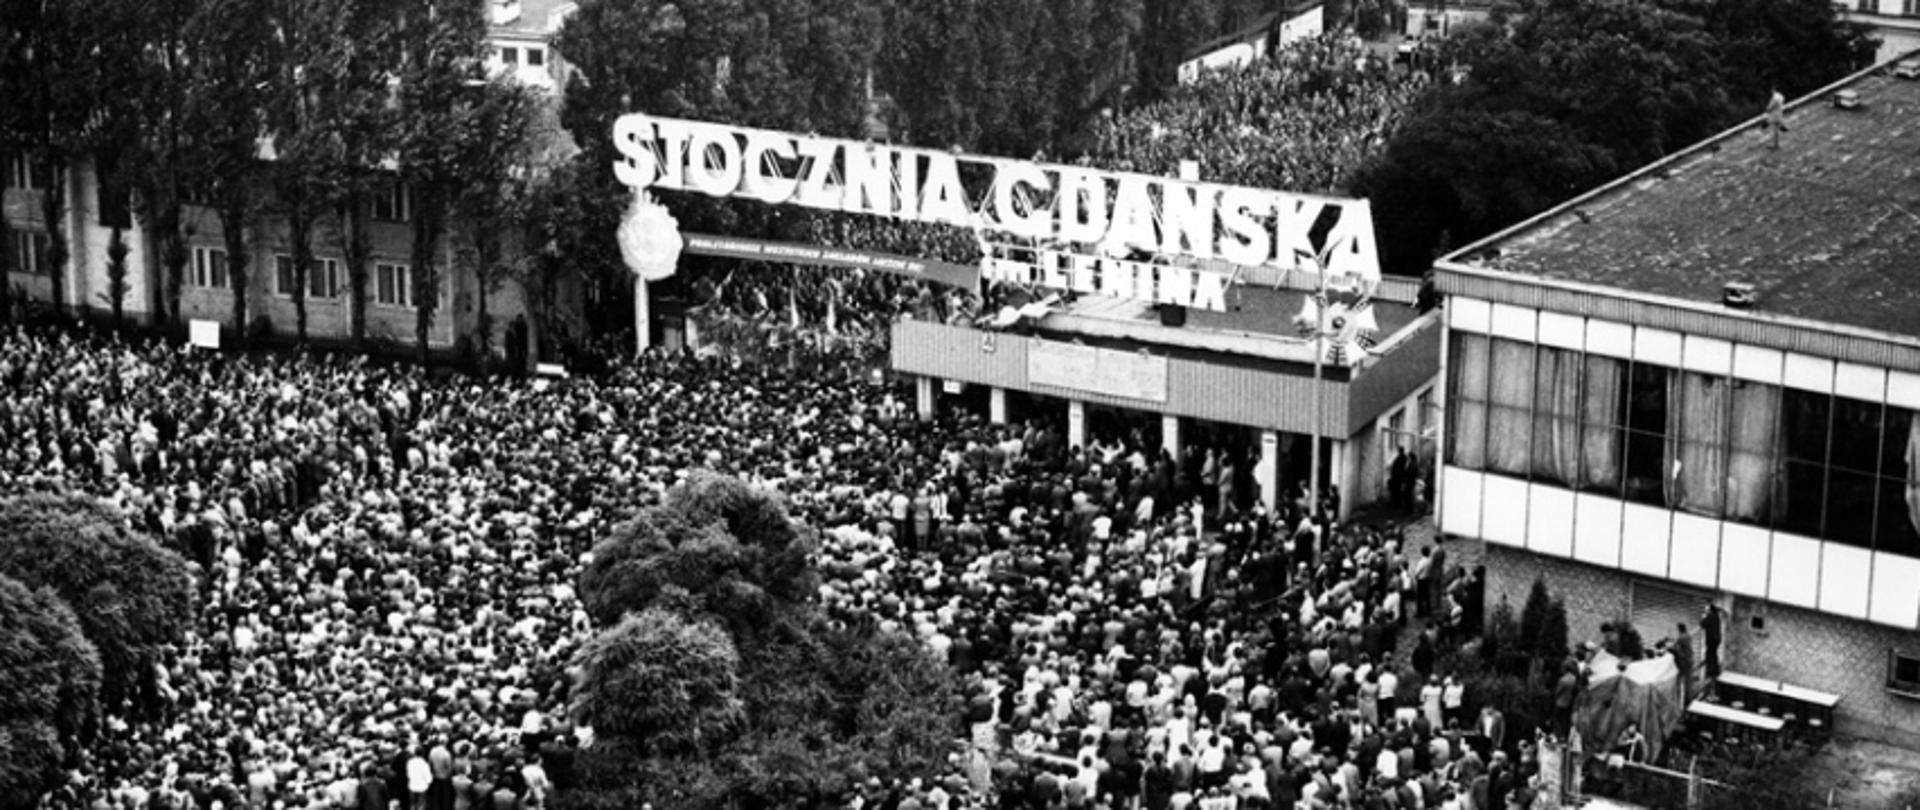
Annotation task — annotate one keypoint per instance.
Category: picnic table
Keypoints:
(1731, 724)
(1803, 708)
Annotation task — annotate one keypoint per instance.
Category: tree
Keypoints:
(443, 47)
(818, 706)
(1533, 616)
(508, 153)
(132, 597)
(1571, 93)
(717, 548)
(661, 680)
(49, 690)
(62, 61)
(355, 107)
(229, 65)
(313, 49)
(155, 163)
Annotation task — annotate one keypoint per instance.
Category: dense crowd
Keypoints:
(851, 304)
(1303, 120)
(389, 564)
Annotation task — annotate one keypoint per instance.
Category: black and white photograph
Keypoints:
(960, 405)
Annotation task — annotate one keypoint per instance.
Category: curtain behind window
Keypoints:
(1752, 466)
(1510, 407)
(1600, 419)
(1556, 421)
(1913, 474)
(1696, 430)
(1467, 425)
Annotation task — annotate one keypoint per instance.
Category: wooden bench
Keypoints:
(1731, 724)
(1805, 709)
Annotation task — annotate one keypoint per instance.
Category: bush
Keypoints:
(49, 690)
(131, 597)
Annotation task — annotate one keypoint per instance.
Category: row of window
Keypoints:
(1904, 8)
(26, 174)
(536, 57)
(391, 202)
(28, 251)
(393, 281)
(1808, 463)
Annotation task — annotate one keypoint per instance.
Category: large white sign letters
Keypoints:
(1057, 206)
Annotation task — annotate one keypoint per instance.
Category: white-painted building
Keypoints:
(1647, 439)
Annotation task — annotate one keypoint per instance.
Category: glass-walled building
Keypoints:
(1699, 385)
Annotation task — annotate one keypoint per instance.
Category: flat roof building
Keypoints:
(1699, 384)
(1241, 380)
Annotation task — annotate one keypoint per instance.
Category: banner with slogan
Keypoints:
(1098, 370)
(733, 247)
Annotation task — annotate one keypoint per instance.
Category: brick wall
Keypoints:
(1593, 594)
(1832, 654)
(1802, 647)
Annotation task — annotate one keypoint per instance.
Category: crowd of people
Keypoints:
(852, 307)
(389, 561)
(1303, 120)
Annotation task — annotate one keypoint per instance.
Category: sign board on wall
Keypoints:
(203, 334)
(1132, 375)
(1102, 212)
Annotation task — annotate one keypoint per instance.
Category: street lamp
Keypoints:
(1348, 324)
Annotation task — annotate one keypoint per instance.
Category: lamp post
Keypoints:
(1347, 323)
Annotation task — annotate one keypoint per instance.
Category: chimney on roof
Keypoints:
(1738, 295)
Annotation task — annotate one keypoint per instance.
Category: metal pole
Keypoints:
(1319, 408)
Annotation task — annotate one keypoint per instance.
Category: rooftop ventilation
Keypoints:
(1738, 295)
(1908, 69)
(1847, 100)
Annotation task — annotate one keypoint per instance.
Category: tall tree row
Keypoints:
(270, 114)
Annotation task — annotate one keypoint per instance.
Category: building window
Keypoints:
(1647, 462)
(1854, 460)
(1903, 673)
(1752, 475)
(1805, 419)
(29, 251)
(1910, 8)
(1603, 420)
(1697, 431)
(1558, 389)
(209, 268)
(323, 277)
(393, 203)
(1812, 464)
(1897, 529)
(1467, 366)
(393, 284)
(1510, 407)
(511, 56)
(536, 57)
(27, 174)
(113, 204)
